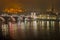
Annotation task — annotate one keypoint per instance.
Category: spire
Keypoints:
(52, 5)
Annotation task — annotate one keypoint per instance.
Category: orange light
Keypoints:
(19, 10)
(13, 10)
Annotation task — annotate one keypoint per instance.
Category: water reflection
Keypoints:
(5, 29)
(59, 26)
(52, 25)
(35, 28)
(42, 25)
(47, 25)
(44, 30)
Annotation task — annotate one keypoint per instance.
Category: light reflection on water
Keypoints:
(30, 30)
(59, 25)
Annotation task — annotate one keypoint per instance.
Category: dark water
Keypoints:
(31, 30)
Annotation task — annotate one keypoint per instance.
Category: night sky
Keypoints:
(38, 4)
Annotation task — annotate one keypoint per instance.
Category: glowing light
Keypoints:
(13, 10)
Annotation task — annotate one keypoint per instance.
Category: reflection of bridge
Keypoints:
(33, 26)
